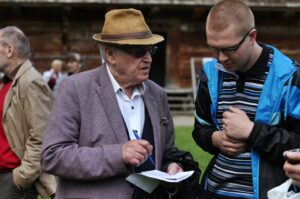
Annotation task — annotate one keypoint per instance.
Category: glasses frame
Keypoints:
(138, 51)
(230, 49)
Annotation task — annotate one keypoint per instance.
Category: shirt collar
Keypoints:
(139, 89)
(14, 72)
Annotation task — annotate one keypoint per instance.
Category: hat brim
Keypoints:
(154, 39)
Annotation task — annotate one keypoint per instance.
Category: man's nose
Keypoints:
(222, 57)
(147, 57)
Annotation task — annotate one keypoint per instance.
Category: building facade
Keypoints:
(56, 27)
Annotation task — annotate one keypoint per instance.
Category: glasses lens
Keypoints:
(213, 50)
(152, 50)
(139, 51)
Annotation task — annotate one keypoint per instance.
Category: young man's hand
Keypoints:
(236, 124)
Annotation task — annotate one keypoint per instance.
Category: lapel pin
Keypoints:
(163, 121)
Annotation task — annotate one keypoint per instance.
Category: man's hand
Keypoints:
(236, 124)
(227, 145)
(292, 170)
(174, 168)
(15, 182)
(135, 152)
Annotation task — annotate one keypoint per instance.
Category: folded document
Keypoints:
(149, 180)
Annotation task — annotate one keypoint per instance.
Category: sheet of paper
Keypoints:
(149, 180)
(143, 182)
(159, 175)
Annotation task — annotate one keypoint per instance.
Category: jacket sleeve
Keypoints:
(37, 106)
(272, 141)
(63, 156)
(204, 126)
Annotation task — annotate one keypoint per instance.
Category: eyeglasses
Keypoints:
(138, 51)
(231, 49)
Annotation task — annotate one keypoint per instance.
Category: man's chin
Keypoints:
(229, 67)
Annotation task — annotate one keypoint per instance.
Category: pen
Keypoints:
(136, 135)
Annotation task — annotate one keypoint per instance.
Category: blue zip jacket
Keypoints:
(276, 125)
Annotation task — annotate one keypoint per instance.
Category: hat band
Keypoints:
(136, 35)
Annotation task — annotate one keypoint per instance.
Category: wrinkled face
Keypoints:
(4, 48)
(131, 65)
(73, 66)
(231, 50)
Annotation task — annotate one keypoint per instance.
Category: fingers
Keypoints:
(292, 171)
(232, 147)
(292, 155)
(174, 168)
(135, 152)
(232, 110)
(226, 114)
(235, 110)
(146, 145)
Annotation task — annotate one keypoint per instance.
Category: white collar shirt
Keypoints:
(133, 110)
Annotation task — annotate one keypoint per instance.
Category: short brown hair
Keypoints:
(230, 12)
(73, 57)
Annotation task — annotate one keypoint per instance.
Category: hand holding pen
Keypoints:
(135, 152)
(136, 135)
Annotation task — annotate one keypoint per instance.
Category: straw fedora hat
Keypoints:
(126, 27)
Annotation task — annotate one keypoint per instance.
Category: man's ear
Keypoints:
(110, 55)
(10, 51)
(253, 35)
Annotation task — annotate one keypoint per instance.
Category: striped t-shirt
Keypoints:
(231, 176)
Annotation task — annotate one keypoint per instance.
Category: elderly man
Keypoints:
(247, 107)
(54, 77)
(25, 103)
(111, 121)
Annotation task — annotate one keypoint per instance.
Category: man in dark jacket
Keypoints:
(247, 107)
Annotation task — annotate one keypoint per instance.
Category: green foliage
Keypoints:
(185, 141)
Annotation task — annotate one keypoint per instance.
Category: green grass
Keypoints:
(185, 141)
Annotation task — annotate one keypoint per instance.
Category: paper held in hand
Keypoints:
(149, 180)
(159, 175)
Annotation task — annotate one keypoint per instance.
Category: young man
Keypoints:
(247, 107)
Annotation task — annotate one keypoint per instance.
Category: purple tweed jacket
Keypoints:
(85, 133)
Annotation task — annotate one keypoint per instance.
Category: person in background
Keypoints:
(74, 63)
(54, 76)
(25, 103)
(111, 121)
(247, 107)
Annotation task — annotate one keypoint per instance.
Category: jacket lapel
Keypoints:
(152, 107)
(23, 68)
(107, 98)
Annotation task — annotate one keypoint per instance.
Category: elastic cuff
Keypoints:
(19, 180)
(254, 133)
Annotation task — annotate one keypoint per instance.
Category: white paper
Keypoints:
(174, 178)
(143, 182)
(149, 180)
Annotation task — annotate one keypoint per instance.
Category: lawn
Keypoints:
(184, 141)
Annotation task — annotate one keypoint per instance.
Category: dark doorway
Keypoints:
(158, 68)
